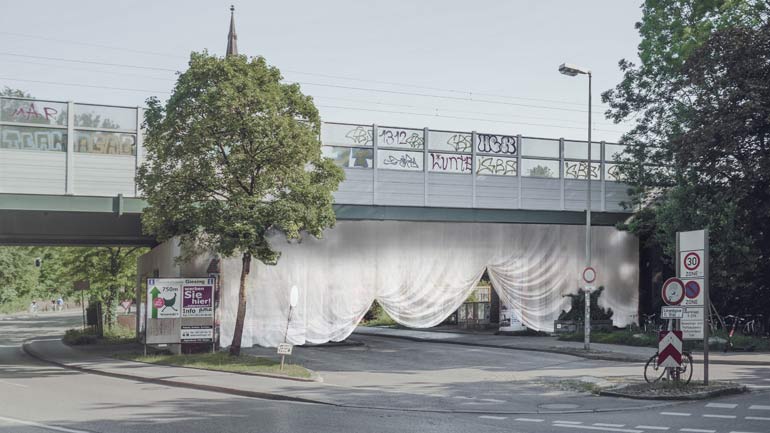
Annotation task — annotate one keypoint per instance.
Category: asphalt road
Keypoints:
(36, 397)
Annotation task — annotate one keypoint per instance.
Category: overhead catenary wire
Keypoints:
(470, 94)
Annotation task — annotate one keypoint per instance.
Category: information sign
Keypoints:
(670, 313)
(198, 300)
(286, 348)
(197, 333)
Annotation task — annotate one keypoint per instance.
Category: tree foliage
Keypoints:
(233, 156)
(698, 155)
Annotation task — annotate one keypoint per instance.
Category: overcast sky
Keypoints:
(483, 65)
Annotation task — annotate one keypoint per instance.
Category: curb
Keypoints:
(577, 353)
(732, 390)
(280, 397)
(175, 383)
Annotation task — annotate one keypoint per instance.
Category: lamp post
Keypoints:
(572, 71)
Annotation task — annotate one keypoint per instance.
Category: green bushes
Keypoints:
(114, 335)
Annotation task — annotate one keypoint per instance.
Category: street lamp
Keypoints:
(572, 71)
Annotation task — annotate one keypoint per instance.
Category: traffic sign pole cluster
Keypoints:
(692, 270)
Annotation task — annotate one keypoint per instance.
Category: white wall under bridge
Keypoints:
(419, 271)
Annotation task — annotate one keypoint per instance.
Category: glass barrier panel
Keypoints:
(612, 173)
(33, 111)
(335, 134)
(540, 147)
(596, 151)
(400, 137)
(579, 170)
(450, 141)
(612, 151)
(105, 143)
(349, 157)
(31, 138)
(450, 163)
(539, 168)
(575, 149)
(495, 165)
(507, 145)
(399, 160)
(99, 116)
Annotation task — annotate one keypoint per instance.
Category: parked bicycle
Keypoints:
(654, 373)
(651, 324)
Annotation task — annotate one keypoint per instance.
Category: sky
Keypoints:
(482, 65)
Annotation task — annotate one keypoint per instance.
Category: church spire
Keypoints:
(232, 38)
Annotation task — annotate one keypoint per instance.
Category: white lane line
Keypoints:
(696, 430)
(43, 426)
(741, 431)
(529, 419)
(758, 418)
(588, 427)
(14, 384)
(493, 417)
(722, 405)
(493, 400)
(708, 415)
(675, 413)
(463, 397)
(651, 427)
(568, 422)
(601, 424)
(759, 407)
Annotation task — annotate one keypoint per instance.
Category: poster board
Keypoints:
(180, 310)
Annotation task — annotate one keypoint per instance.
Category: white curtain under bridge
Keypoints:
(421, 272)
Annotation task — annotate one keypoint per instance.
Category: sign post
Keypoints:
(692, 252)
(286, 348)
(589, 276)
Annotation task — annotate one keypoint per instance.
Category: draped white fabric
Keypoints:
(421, 272)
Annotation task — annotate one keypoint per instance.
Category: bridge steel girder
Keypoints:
(31, 219)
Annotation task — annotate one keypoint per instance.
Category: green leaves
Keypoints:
(233, 155)
(698, 155)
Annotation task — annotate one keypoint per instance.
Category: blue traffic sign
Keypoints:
(692, 289)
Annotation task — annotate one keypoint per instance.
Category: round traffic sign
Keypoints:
(692, 289)
(589, 275)
(691, 261)
(673, 291)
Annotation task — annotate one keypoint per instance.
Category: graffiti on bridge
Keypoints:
(496, 165)
(579, 170)
(451, 163)
(43, 139)
(497, 144)
(394, 137)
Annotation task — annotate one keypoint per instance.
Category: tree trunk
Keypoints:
(235, 346)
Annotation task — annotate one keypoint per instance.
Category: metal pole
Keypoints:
(587, 332)
(706, 306)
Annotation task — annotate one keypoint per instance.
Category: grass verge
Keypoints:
(627, 338)
(221, 361)
(115, 335)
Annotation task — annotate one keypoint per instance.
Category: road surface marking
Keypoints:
(568, 422)
(43, 426)
(741, 431)
(758, 418)
(601, 424)
(651, 427)
(722, 405)
(493, 400)
(529, 419)
(697, 430)
(708, 415)
(463, 397)
(493, 417)
(759, 407)
(14, 384)
(588, 427)
(675, 413)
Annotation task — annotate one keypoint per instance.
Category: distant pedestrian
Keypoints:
(33, 307)
(60, 304)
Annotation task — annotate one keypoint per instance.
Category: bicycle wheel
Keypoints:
(685, 371)
(652, 373)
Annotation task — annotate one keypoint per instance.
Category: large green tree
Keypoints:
(698, 154)
(234, 156)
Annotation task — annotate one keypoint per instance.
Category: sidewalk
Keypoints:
(608, 352)
(529, 399)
